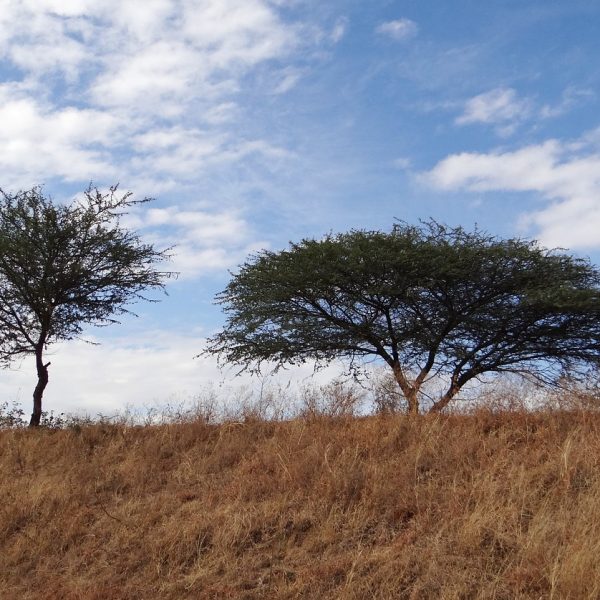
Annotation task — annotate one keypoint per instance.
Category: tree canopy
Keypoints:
(429, 301)
(64, 266)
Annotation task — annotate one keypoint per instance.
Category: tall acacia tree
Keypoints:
(63, 266)
(429, 301)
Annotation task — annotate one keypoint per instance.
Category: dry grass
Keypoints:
(480, 506)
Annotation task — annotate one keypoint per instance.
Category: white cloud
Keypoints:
(221, 113)
(246, 31)
(564, 174)
(400, 29)
(37, 141)
(201, 226)
(501, 107)
(202, 241)
(176, 151)
(505, 110)
(136, 371)
(155, 77)
(200, 51)
(65, 55)
(124, 73)
(571, 98)
(106, 378)
(524, 169)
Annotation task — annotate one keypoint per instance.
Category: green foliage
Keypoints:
(429, 300)
(64, 266)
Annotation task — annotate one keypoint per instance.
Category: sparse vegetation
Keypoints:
(332, 493)
(431, 302)
(493, 504)
(65, 266)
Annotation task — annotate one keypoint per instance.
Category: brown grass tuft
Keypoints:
(489, 505)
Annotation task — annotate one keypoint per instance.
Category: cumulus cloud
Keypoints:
(38, 141)
(400, 29)
(201, 53)
(148, 94)
(202, 241)
(219, 34)
(565, 175)
(128, 89)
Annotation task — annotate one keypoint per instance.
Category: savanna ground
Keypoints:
(491, 504)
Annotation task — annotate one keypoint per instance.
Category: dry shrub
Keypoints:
(340, 398)
(385, 392)
(581, 393)
(486, 505)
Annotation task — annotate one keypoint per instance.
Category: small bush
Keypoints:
(12, 416)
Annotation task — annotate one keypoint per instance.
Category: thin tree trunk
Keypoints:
(42, 373)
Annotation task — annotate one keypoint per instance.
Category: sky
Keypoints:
(253, 123)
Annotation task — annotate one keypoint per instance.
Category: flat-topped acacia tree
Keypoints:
(63, 266)
(429, 301)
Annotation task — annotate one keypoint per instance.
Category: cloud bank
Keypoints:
(127, 72)
(156, 369)
(150, 95)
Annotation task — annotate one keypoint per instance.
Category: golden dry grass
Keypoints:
(487, 506)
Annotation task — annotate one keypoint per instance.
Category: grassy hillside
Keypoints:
(480, 506)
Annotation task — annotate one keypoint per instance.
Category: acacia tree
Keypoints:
(63, 266)
(429, 300)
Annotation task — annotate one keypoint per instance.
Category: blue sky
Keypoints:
(256, 122)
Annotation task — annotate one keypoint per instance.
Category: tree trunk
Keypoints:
(444, 400)
(410, 392)
(42, 373)
(413, 403)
